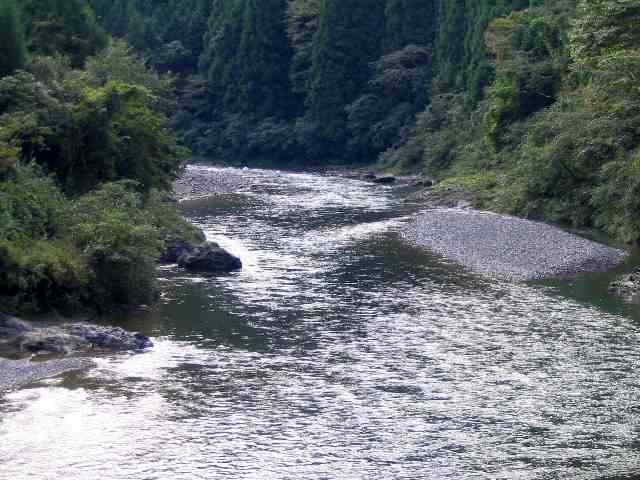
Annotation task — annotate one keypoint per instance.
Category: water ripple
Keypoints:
(339, 352)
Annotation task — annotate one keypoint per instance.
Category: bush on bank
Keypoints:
(87, 157)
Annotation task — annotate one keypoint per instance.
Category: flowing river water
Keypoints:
(341, 351)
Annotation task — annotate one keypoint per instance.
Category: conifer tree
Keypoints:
(263, 59)
(12, 40)
(409, 22)
(248, 56)
(347, 40)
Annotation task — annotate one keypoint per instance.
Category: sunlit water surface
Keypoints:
(342, 352)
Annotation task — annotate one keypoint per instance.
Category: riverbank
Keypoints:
(509, 247)
(27, 348)
(198, 182)
(448, 225)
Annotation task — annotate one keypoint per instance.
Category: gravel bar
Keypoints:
(510, 247)
(17, 373)
(198, 181)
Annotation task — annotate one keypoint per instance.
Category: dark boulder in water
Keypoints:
(210, 258)
(47, 341)
(385, 180)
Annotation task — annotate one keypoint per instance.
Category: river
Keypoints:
(341, 351)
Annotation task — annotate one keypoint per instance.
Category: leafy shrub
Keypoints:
(120, 242)
(40, 275)
(31, 206)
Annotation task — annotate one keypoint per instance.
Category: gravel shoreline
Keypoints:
(487, 243)
(198, 182)
(18, 373)
(509, 247)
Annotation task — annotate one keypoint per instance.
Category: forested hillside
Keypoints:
(532, 104)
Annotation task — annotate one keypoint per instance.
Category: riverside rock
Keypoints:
(210, 258)
(385, 180)
(111, 338)
(12, 326)
(627, 285)
(68, 338)
(48, 341)
(175, 250)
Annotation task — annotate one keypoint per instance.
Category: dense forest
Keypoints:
(532, 104)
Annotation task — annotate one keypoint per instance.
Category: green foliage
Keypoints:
(107, 123)
(409, 22)
(97, 251)
(578, 163)
(461, 57)
(71, 234)
(303, 18)
(67, 27)
(40, 275)
(31, 206)
(261, 62)
(170, 32)
(616, 199)
(120, 242)
(347, 39)
(169, 222)
(396, 92)
(13, 50)
(38, 271)
(605, 41)
(530, 61)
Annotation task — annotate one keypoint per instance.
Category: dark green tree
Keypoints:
(12, 41)
(263, 60)
(409, 22)
(348, 38)
(66, 27)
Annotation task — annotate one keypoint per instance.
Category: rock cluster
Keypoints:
(20, 336)
(12, 326)
(175, 250)
(627, 285)
(387, 180)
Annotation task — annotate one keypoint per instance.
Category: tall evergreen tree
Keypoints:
(409, 22)
(347, 41)
(263, 59)
(12, 40)
(248, 56)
